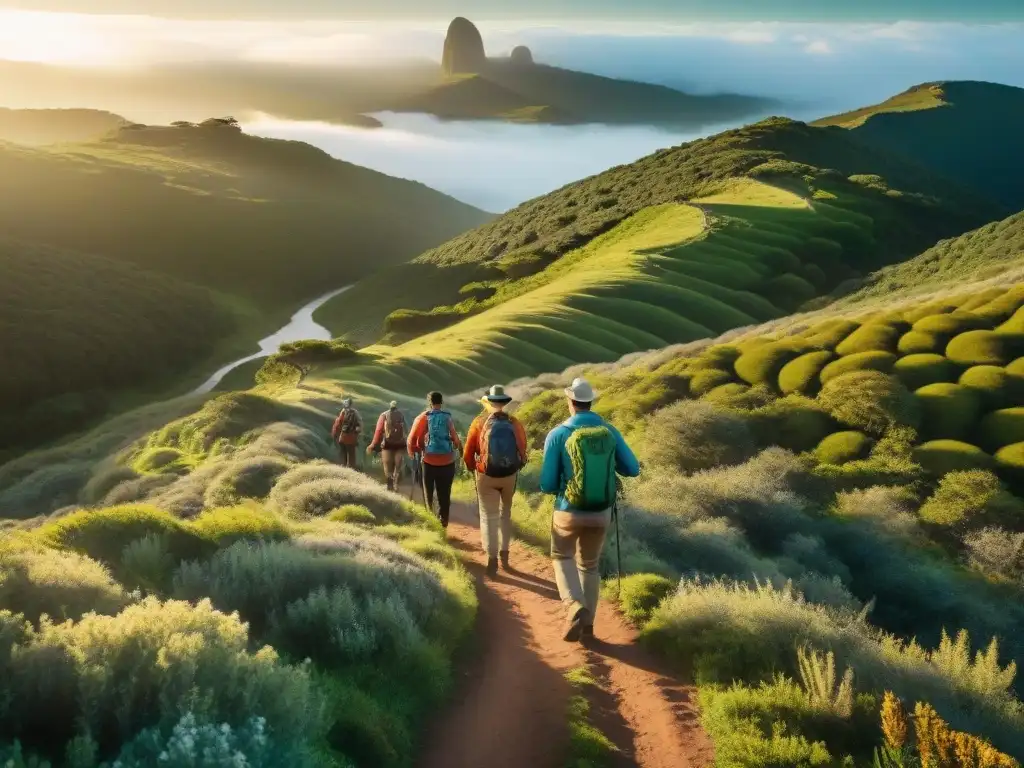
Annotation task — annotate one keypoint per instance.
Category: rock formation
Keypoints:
(463, 49)
(522, 56)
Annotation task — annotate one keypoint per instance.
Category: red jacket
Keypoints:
(417, 438)
(378, 435)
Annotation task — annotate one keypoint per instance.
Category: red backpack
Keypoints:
(394, 428)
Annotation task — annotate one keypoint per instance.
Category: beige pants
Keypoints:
(392, 461)
(495, 495)
(577, 539)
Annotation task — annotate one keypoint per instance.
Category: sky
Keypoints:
(657, 10)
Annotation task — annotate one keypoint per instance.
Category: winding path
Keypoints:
(510, 706)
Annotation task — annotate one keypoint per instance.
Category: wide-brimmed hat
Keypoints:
(581, 391)
(394, 404)
(496, 395)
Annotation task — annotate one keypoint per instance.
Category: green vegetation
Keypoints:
(52, 126)
(949, 127)
(844, 447)
(588, 746)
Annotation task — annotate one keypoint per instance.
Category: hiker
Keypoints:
(433, 434)
(389, 440)
(345, 432)
(581, 459)
(495, 450)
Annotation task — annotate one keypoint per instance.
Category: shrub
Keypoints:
(919, 343)
(353, 513)
(843, 447)
(230, 524)
(952, 324)
(938, 457)
(641, 594)
(103, 534)
(831, 333)
(61, 585)
(317, 488)
(997, 387)
(983, 348)
(541, 414)
(869, 401)
(1015, 324)
(762, 365)
(918, 371)
(1016, 368)
(1010, 461)
(705, 381)
(794, 422)
(248, 478)
(109, 678)
(871, 337)
(949, 411)
(861, 361)
(692, 435)
(972, 499)
(739, 396)
(1001, 428)
(995, 552)
(789, 291)
(104, 481)
(801, 376)
(161, 461)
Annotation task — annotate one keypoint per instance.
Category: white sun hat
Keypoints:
(581, 391)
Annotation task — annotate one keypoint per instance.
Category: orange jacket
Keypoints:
(417, 438)
(472, 454)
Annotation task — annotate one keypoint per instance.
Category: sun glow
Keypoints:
(52, 38)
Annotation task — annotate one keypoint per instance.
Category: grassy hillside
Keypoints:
(75, 329)
(968, 131)
(884, 208)
(476, 97)
(51, 126)
(795, 479)
(986, 252)
(273, 220)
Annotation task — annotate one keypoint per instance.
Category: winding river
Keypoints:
(300, 327)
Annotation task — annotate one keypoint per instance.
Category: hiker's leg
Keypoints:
(508, 490)
(489, 499)
(445, 478)
(564, 538)
(388, 460)
(399, 465)
(429, 482)
(592, 535)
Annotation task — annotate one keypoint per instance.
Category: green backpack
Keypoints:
(592, 455)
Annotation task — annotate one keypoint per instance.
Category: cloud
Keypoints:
(819, 48)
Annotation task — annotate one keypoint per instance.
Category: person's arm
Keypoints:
(456, 441)
(378, 433)
(415, 442)
(472, 446)
(626, 463)
(551, 469)
(359, 422)
(524, 448)
(336, 429)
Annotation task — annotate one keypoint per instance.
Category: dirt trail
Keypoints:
(509, 709)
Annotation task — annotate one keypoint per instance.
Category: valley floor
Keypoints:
(509, 707)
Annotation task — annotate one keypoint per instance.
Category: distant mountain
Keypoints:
(517, 88)
(968, 131)
(50, 126)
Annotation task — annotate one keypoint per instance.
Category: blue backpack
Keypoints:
(499, 450)
(439, 438)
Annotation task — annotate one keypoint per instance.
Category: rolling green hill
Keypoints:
(75, 329)
(270, 220)
(968, 131)
(52, 126)
(882, 209)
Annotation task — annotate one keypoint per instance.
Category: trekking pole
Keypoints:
(618, 550)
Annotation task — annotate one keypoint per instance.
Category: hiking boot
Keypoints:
(391, 484)
(492, 567)
(587, 633)
(504, 560)
(574, 625)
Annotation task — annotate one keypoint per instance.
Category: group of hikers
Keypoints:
(582, 458)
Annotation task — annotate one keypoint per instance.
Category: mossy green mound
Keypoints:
(948, 411)
(843, 447)
(870, 401)
(938, 457)
(1002, 308)
(802, 375)
(789, 291)
(952, 324)
(762, 365)
(1010, 462)
(1016, 367)
(983, 348)
(920, 343)
(1002, 428)
(160, 461)
(922, 311)
(997, 387)
(795, 423)
(861, 361)
(1015, 324)
(918, 371)
(871, 337)
(739, 396)
(703, 382)
(831, 333)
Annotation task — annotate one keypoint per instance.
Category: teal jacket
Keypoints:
(557, 468)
